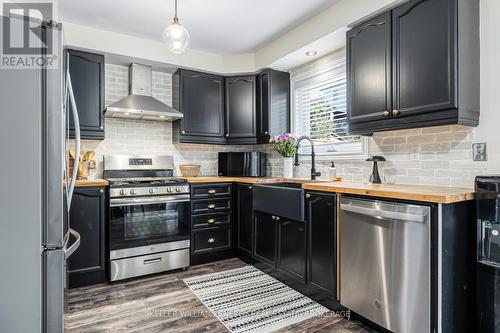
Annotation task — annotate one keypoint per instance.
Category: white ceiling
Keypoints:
(217, 26)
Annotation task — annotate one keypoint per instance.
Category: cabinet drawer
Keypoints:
(210, 205)
(211, 220)
(210, 240)
(210, 190)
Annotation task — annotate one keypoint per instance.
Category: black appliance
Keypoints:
(242, 164)
(488, 254)
(148, 216)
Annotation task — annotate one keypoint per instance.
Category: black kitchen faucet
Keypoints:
(314, 173)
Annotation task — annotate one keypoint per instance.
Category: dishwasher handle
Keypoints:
(384, 214)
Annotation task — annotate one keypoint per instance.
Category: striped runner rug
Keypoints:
(248, 300)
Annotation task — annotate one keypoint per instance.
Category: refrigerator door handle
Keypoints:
(68, 251)
(76, 121)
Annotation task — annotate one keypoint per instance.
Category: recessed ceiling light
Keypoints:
(162, 116)
(311, 53)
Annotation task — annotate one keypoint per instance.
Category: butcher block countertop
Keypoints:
(434, 194)
(91, 183)
(248, 180)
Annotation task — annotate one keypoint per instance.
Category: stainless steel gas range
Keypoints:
(149, 216)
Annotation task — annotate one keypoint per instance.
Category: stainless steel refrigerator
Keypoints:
(35, 238)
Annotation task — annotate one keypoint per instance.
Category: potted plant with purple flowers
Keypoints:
(286, 145)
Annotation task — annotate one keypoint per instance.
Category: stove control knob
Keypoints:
(122, 192)
(169, 189)
(152, 190)
(178, 189)
(132, 191)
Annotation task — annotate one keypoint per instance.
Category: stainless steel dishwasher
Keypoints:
(385, 263)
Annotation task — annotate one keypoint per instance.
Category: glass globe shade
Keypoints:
(176, 37)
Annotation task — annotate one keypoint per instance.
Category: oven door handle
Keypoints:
(116, 202)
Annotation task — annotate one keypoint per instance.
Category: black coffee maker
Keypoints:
(488, 254)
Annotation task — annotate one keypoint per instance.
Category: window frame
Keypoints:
(331, 70)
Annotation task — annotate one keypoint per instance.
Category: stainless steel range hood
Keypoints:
(140, 104)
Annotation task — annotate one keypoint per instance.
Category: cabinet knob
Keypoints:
(211, 206)
(183, 132)
(395, 112)
(277, 218)
(211, 221)
(211, 240)
(101, 191)
(266, 132)
(211, 191)
(227, 135)
(250, 187)
(273, 217)
(386, 113)
(101, 127)
(308, 195)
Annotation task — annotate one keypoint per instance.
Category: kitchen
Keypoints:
(189, 212)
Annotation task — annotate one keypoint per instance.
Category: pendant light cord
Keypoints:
(175, 8)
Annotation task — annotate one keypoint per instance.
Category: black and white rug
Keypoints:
(248, 300)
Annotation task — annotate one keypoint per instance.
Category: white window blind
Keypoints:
(320, 96)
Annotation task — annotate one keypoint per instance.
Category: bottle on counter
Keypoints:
(332, 172)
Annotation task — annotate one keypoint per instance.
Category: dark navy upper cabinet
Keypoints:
(369, 70)
(423, 53)
(200, 98)
(434, 66)
(87, 78)
(273, 104)
(241, 114)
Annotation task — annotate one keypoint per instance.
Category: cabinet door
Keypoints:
(423, 51)
(244, 219)
(263, 103)
(321, 219)
(202, 104)
(265, 238)
(240, 108)
(87, 78)
(87, 217)
(369, 70)
(273, 101)
(292, 248)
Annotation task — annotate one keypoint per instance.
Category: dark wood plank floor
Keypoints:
(163, 303)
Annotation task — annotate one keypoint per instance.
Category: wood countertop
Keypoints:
(435, 194)
(91, 183)
(248, 180)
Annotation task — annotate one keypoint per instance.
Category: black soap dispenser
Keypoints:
(375, 176)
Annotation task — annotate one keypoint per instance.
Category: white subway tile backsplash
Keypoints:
(431, 156)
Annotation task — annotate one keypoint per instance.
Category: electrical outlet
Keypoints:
(479, 152)
(413, 155)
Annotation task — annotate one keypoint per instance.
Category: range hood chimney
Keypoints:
(140, 104)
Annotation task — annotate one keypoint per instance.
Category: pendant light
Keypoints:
(176, 36)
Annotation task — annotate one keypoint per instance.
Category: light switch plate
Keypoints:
(479, 152)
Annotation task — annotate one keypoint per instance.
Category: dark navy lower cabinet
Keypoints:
(265, 238)
(322, 263)
(244, 217)
(292, 248)
(211, 222)
(87, 265)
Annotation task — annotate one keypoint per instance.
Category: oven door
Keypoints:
(136, 222)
